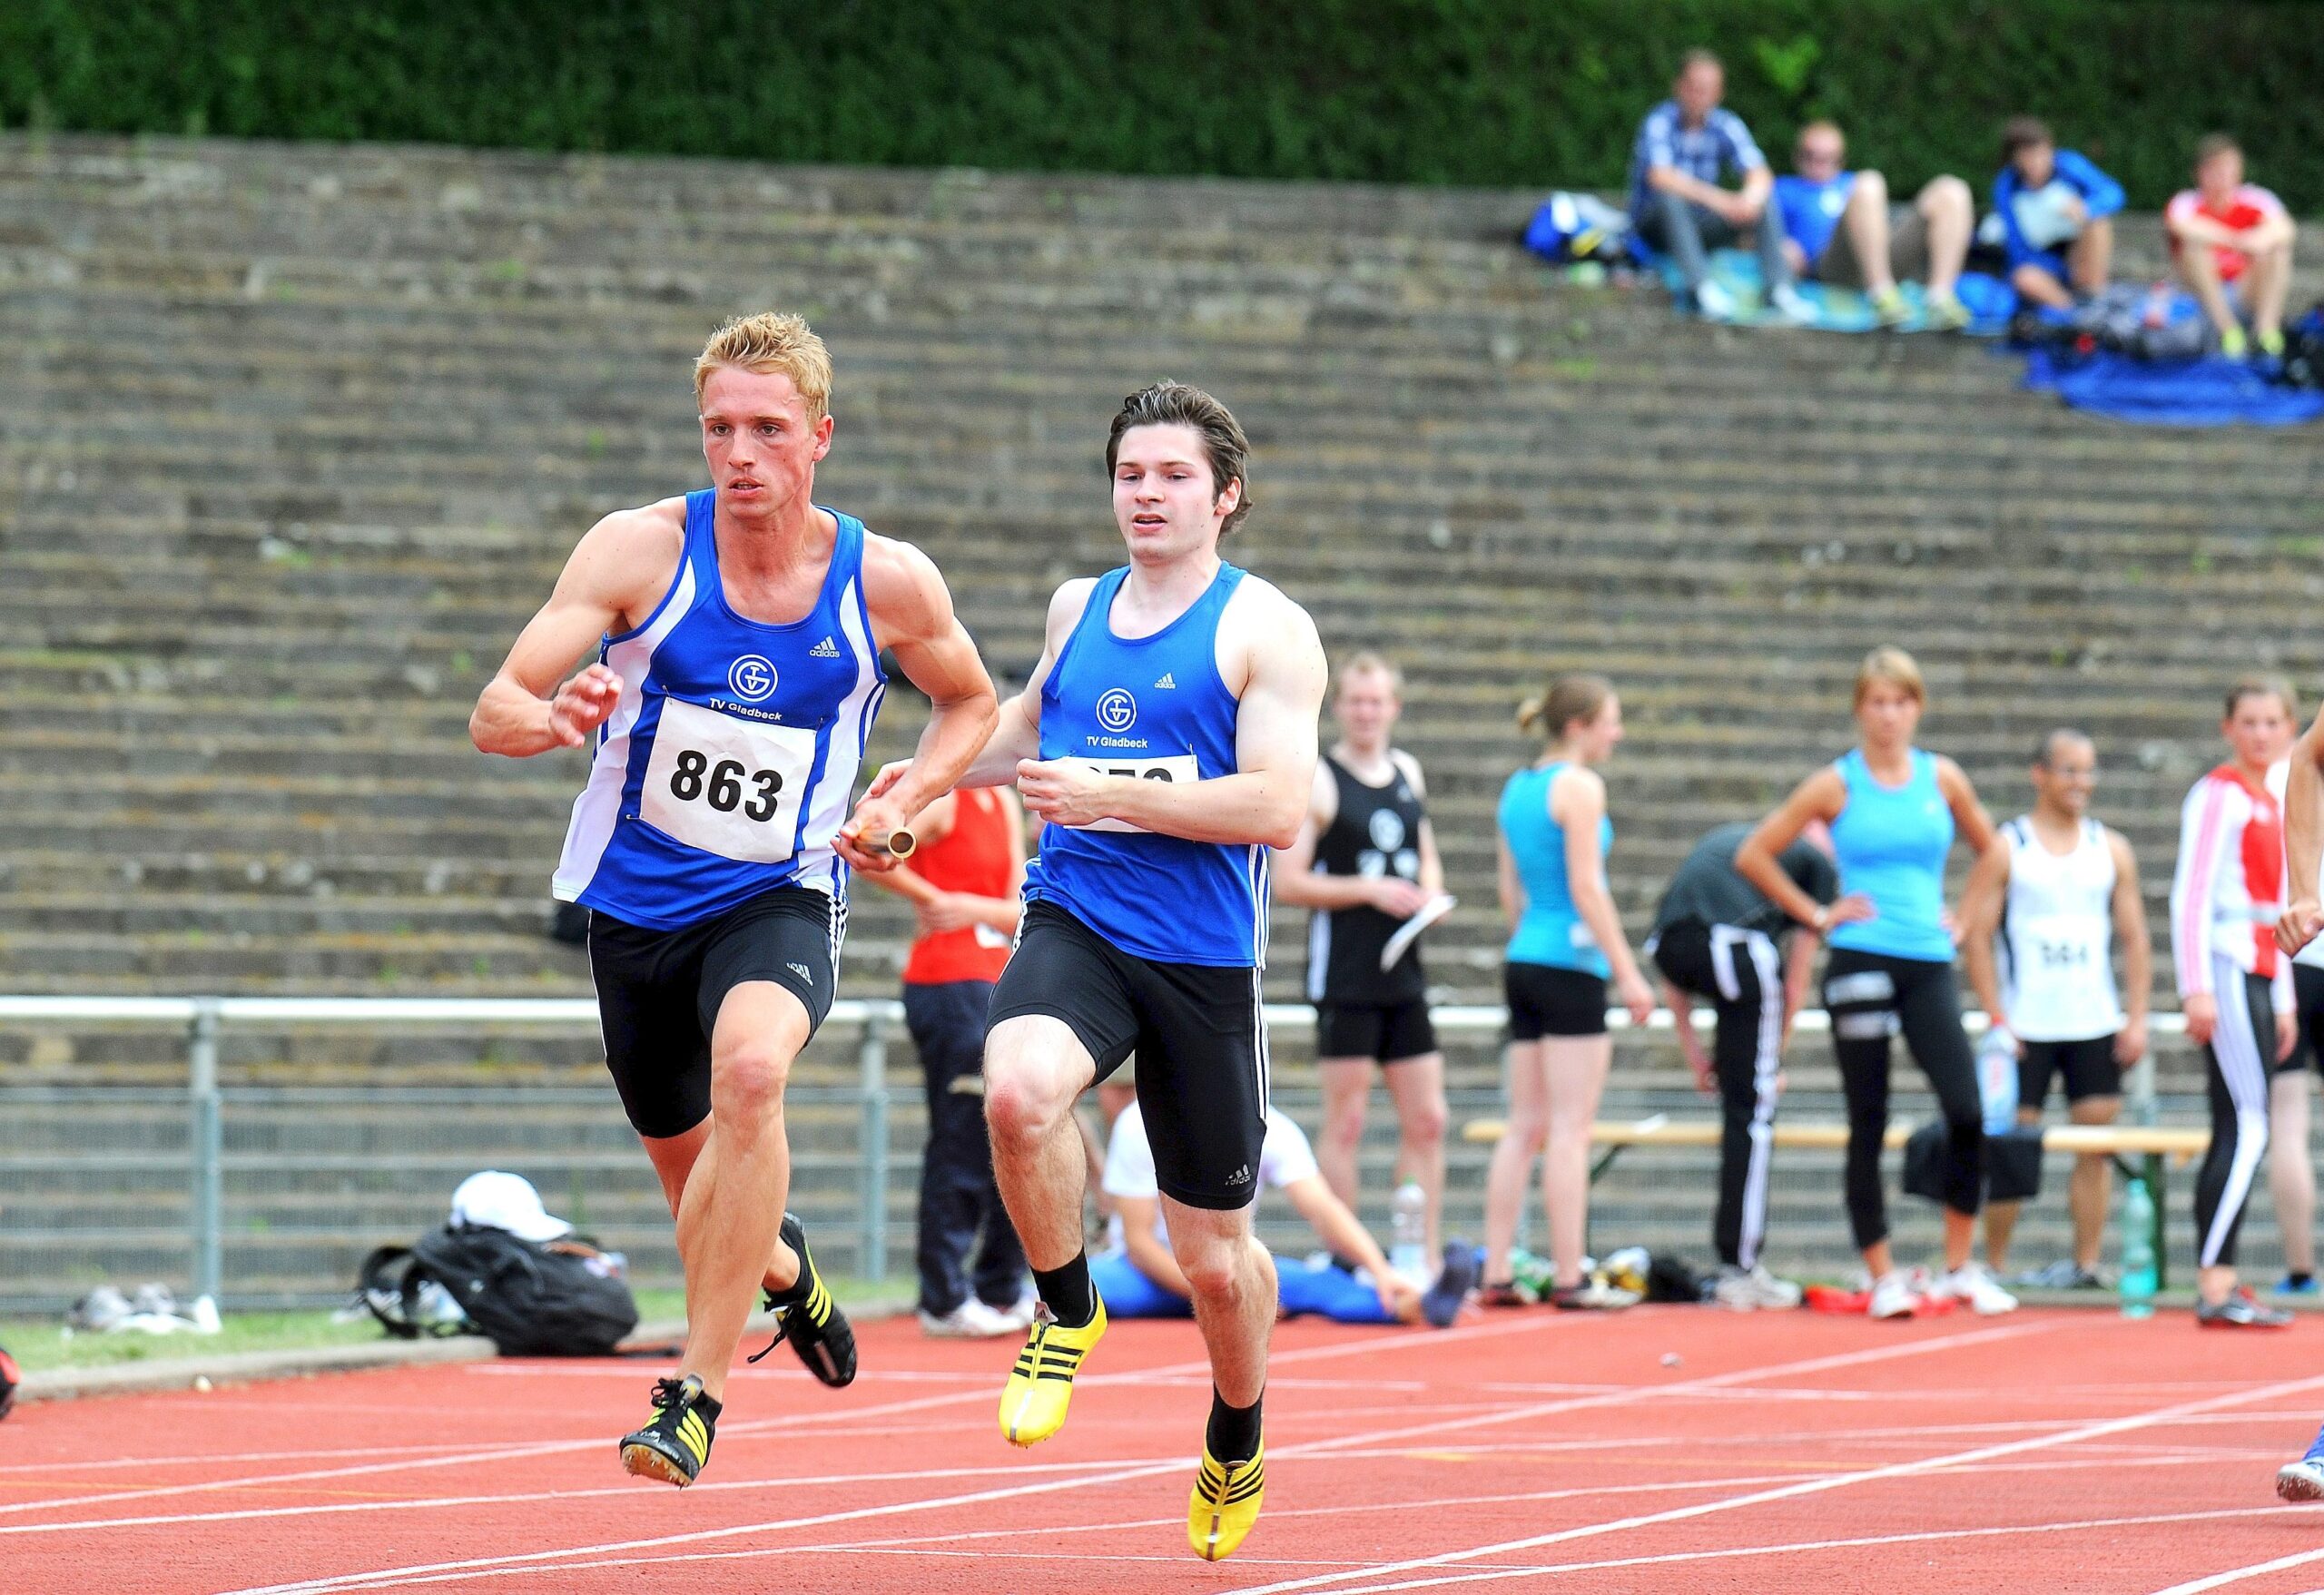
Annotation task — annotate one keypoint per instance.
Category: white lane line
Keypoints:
(448, 1572)
(1808, 1487)
(2256, 1570)
(786, 1425)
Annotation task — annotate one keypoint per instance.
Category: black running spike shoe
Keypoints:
(673, 1447)
(807, 1317)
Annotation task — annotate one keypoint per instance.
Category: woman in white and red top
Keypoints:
(2225, 231)
(2234, 985)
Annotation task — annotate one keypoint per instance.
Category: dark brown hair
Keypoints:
(2215, 143)
(1174, 404)
(2263, 686)
(2023, 132)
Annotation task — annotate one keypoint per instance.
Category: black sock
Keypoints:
(1071, 1299)
(1234, 1432)
(2298, 1278)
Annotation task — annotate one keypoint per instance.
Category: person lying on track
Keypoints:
(1140, 1278)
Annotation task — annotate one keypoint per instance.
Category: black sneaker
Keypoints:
(1441, 1304)
(2241, 1310)
(673, 1447)
(807, 1317)
(2065, 1274)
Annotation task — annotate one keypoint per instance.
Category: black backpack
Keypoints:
(534, 1299)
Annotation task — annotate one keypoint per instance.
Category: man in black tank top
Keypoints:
(1366, 863)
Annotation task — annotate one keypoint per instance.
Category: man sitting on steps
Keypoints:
(1839, 228)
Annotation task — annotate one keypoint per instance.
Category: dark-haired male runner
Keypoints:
(1167, 738)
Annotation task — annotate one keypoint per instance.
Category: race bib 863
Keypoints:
(726, 785)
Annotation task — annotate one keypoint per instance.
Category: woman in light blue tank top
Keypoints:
(1565, 942)
(1894, 812)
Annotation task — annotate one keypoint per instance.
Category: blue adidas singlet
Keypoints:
(1550, 931)
(1890, 843)
(726, 768)
(1153, 707)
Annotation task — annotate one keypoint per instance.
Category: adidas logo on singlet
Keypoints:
(1167, 680)
(801, 970)
(826, 649)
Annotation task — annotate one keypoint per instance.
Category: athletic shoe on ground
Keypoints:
(2272, 344)
(1018, 1316)
(2303, 1480)
(1225, 1503)
(676, 1444)
(1441, 1302)
(1594, 1293)
(2289, 1286)
(1040, 1386)
(1973, 1286)
(1714, 302)
(2065, 1274)
(1946, 315)
(2234, 344)
(1502, 1294)
(972, 1320)
(1896, 1294)
(1890, 308)
(807, 1317)
(2241, 1310)
(1753, 1289)
(1792, 305)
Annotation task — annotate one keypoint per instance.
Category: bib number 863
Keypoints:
(721, 786)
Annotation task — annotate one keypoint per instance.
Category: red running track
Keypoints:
(1523, 1451)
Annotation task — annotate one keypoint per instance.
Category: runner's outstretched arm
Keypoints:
(912, 618)
(2303, 841)
(1265, 799)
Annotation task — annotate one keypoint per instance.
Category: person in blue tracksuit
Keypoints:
(2055, 209)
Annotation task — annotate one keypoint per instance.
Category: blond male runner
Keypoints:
(739, 631)
(1167, 739)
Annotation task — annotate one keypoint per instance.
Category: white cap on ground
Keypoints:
(497, 1200)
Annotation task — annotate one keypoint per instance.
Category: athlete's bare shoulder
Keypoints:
(627, 561)
(1066, 608)
(903, 589)
(1409, 767)
(1263, 628)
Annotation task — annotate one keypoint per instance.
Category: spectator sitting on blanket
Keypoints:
(2054, 207)
(1839, 228)
(1137, 1274)
(1685, 146)
(2228, 233)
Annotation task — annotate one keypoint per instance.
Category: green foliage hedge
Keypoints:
(1528, 93)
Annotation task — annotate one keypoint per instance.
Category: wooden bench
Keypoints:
(2159, 1148)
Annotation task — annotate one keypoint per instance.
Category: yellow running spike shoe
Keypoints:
(1224, 1504)
(1040, 1386)
(674, 1445)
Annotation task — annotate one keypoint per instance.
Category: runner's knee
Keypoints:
(747, 1082)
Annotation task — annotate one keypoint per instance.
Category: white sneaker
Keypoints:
(1714, 302)
(1018, 1318)
(1792, 305)
(1895, 1293)
(1753, 1290)
(972, 1320)
(1973, 1283)
(2302, 1480)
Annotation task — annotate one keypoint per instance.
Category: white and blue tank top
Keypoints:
(726, 768)
(1890, 843)
(1152, 707)
(1551, 930)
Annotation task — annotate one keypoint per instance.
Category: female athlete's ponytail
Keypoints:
(1570, 695)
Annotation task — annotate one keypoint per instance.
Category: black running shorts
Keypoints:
(1386, 1033)
(1547, 1000)
(2087, 1067)
(1199, 1037)
(659, 991)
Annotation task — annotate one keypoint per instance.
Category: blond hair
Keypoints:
(769, 342)
(1891, 667)
(2263, 686)
(1365, 661)
(1570, 695)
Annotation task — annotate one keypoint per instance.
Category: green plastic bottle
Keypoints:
(2137, 1286)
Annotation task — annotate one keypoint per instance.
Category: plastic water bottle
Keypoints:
(2137, 1287)
(1997, 1080)
(1408, 1251)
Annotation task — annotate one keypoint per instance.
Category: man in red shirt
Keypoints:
(963, 883)
(2228, 233)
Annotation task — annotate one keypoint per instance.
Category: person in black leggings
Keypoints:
(1894, 811)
